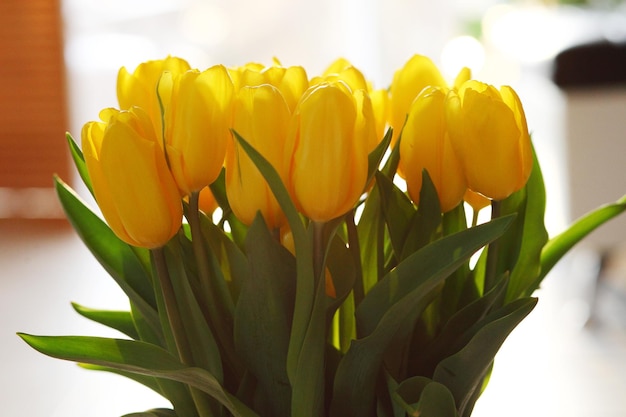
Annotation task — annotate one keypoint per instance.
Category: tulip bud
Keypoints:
(407, 83)
(261, 117)
(342, 70)
(139, 88)
(489, 134)
(425, 145)
(197, 127)
(292, 82)
(329, 160)
(131, 181)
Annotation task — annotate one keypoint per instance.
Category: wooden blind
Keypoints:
(33, 114)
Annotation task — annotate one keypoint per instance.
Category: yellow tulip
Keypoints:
(292, 82)
(425, 145)
(342, 70)
(261, 117)
(407, 83)
(490, 136)
(139, 88)
(329, 159)
(197, 127)
(131, 181)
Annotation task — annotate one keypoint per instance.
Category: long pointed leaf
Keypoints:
(464, 371)
(115, 256)
(137, 357)
(559, 245)
(157, 412)
(118, 320)
(532, 235)
(263, 316)
(305, 281)
(147, 381)
(423, 397)
(79, 161)
(441, 257)
(403, 293)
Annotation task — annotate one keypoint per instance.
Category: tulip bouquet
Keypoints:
(310, 246)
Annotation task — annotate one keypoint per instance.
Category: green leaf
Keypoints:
(219, 306)
(391, 166)
(463, 372)
(136, 357)
(457, 291)
(425, 224)
(118, 320)
(341, 265)
(398, 212)
(438, 259)
(423, 397)
(376, 156)
(230, 259)
(79, 161)
(531, 234)
(263, 316)
(559, 245)
(237, 228)
(456, 332)
(147, 381)
(117, 257)
(404, 292)
(157, 412)
(204, 349)
(305, 281)
(175, 392)
(371, 231)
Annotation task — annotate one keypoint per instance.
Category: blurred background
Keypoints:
(58, 66)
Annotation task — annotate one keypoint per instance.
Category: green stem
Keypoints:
(355, 250)
(474, 217)
(177, 326)
(318, 250)
(171, 306)
(491, 269)
(202, 263)
(217, 315)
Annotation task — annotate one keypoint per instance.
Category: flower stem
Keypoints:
(355, 249)
(474, 217)
(197, 242)
(492, 254)
(213, 301)
(318, 250)
(171, 306)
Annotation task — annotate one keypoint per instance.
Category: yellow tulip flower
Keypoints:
(425, 145)
(418, 72)
(329, 159)
(139, 87)
(197, 125)
(292, 82)
(342, 70)
(489, 133)
(131, 181)
(261, 116)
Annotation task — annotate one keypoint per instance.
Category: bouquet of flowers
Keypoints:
(310, 246)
